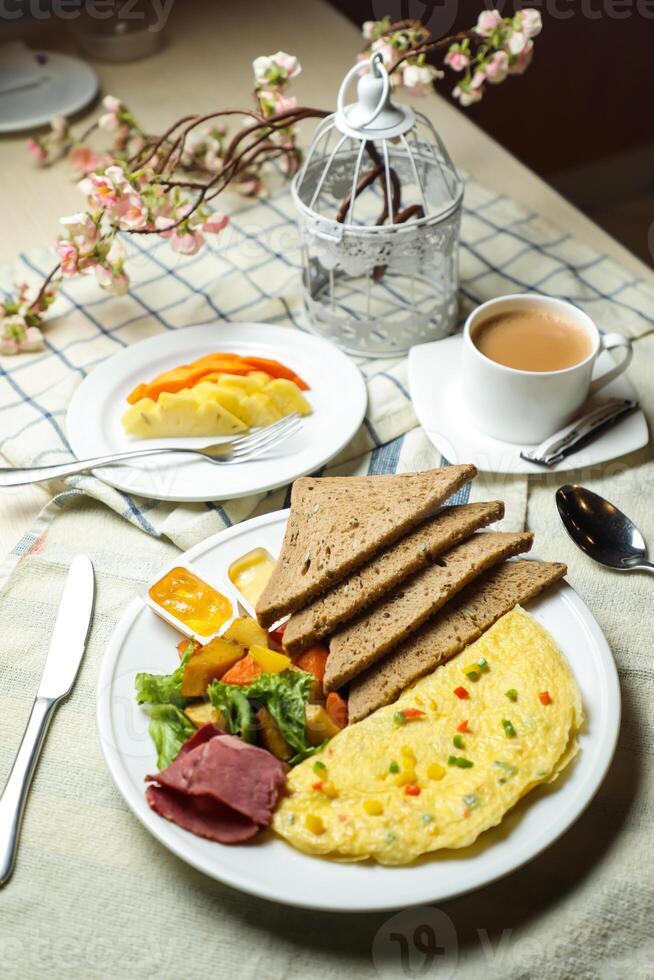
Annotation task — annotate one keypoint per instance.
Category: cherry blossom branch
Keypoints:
(430, 46)
(163, 184)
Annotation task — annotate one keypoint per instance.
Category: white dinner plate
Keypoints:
(337, 395)
(66, 85)
(441, 408)
(271, 868)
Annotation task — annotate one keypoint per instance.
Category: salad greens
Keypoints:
(284, 695)
(232, 703)
(169, 726)
(163, 688)
(169, 729)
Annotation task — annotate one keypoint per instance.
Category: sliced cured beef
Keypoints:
(201, 815)
(204, 734)
(218, 787)
(242, 776)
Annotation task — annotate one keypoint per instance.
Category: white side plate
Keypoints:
(338, 397)
(272, 869)
(67, 85)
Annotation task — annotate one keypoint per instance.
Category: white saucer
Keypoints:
(66, 85)
(440, 406)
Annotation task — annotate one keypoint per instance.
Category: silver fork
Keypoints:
(239, 450)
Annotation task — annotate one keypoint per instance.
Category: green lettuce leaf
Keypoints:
(285, 696)
(169, 729)
(163, 688)
(232, 703)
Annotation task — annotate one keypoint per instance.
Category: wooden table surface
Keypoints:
(205, 63)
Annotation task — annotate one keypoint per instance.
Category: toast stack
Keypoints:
(391, 580)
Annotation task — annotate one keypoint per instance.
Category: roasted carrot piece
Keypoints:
(336, 708)
(313, 661)
(243, 672)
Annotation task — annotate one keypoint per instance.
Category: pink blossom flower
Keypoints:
(130, 211)
(288, 63)
(517, 43)
(519, 65)
(417, 79)
(488, 21)
(530, 21)
(112, 278)
(116, 253)
(368, 29)
(99, 190)
(215, 223)
(37, 150)
(116, 174)
(261, 66)
(110, 121)
(85, 160)
(111, 103)
(186, 242)
(276, 68)
(33, 340)
(468, 95)
(18, 338)
(457, 60)
(182, 238)
(497, 68)
(9, 344)
(386, 50)
(82, 231)
(274, 101)
(68, 257)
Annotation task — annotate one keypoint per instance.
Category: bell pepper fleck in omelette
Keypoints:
(453, 766)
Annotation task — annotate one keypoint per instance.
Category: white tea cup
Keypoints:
(528, 406)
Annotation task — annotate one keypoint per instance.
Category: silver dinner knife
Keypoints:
(59, 673)
(579, 433)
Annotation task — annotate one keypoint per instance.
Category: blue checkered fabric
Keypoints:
(251, 273)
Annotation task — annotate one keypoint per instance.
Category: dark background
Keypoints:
(583, 115)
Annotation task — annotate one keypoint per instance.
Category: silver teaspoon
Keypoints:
(602, 531)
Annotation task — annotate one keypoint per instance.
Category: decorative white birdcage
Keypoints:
(379, 201)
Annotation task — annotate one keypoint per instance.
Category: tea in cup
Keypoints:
(527, 365)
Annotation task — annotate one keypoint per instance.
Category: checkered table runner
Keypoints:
(251, 272)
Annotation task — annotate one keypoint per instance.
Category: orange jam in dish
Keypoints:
(190, 600)
(250, 573)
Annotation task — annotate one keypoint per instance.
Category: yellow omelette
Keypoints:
(447, 760)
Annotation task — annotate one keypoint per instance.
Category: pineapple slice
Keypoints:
(258, 410)
(184, 413)
(249, 384)
(287, 397)
(230, 399)
(232, 405)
